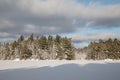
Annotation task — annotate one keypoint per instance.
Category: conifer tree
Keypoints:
(20, 39)
(43, 43)
(14, 45)
(31, 38)
(25, 52)
(68, 48)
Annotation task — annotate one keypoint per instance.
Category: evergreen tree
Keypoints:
(103, 50)
(43, 43)
(25, 52)
(60, 53)
(14, 45)
(31, 38)
(68, 48)
(58, 39)
(20, 39)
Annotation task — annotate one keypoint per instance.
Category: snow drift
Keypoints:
(60, 70)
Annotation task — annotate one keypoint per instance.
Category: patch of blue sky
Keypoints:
(104, 2)
(81, 44)
(93, 30)
(87, 31)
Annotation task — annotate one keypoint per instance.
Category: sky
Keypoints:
(82, 20)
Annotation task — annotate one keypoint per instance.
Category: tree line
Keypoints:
(57, 47)
(43, 47)
(109, 49)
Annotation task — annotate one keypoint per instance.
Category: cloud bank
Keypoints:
(54, 17)
(94, 37)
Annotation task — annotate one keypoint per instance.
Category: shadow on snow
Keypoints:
(65, 72)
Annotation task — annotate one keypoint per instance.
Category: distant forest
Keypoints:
(109, 49)
(57, 47)
(40, 48)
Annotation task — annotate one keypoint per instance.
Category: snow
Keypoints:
(17, 59)
(59, 70)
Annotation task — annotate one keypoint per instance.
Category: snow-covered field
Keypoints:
(59, 70)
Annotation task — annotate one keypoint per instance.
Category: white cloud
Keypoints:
(57, 16)
(70, 8)
(6, 24)
(4, 34)
(30, 28)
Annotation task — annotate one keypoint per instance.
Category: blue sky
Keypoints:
(104, 2)
(82, 20)
(87, 31)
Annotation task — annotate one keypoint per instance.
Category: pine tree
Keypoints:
(14, 45)
(20, 39)
(7, 52)
(50, 47)
(25, 52)
(60, 52)
(31, 38)
(58, 39)
(68, 48)
(43, 43)
(58, 47)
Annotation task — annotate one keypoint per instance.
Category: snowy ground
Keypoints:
(60, 70)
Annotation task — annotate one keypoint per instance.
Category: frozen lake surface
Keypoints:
(59, 70)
